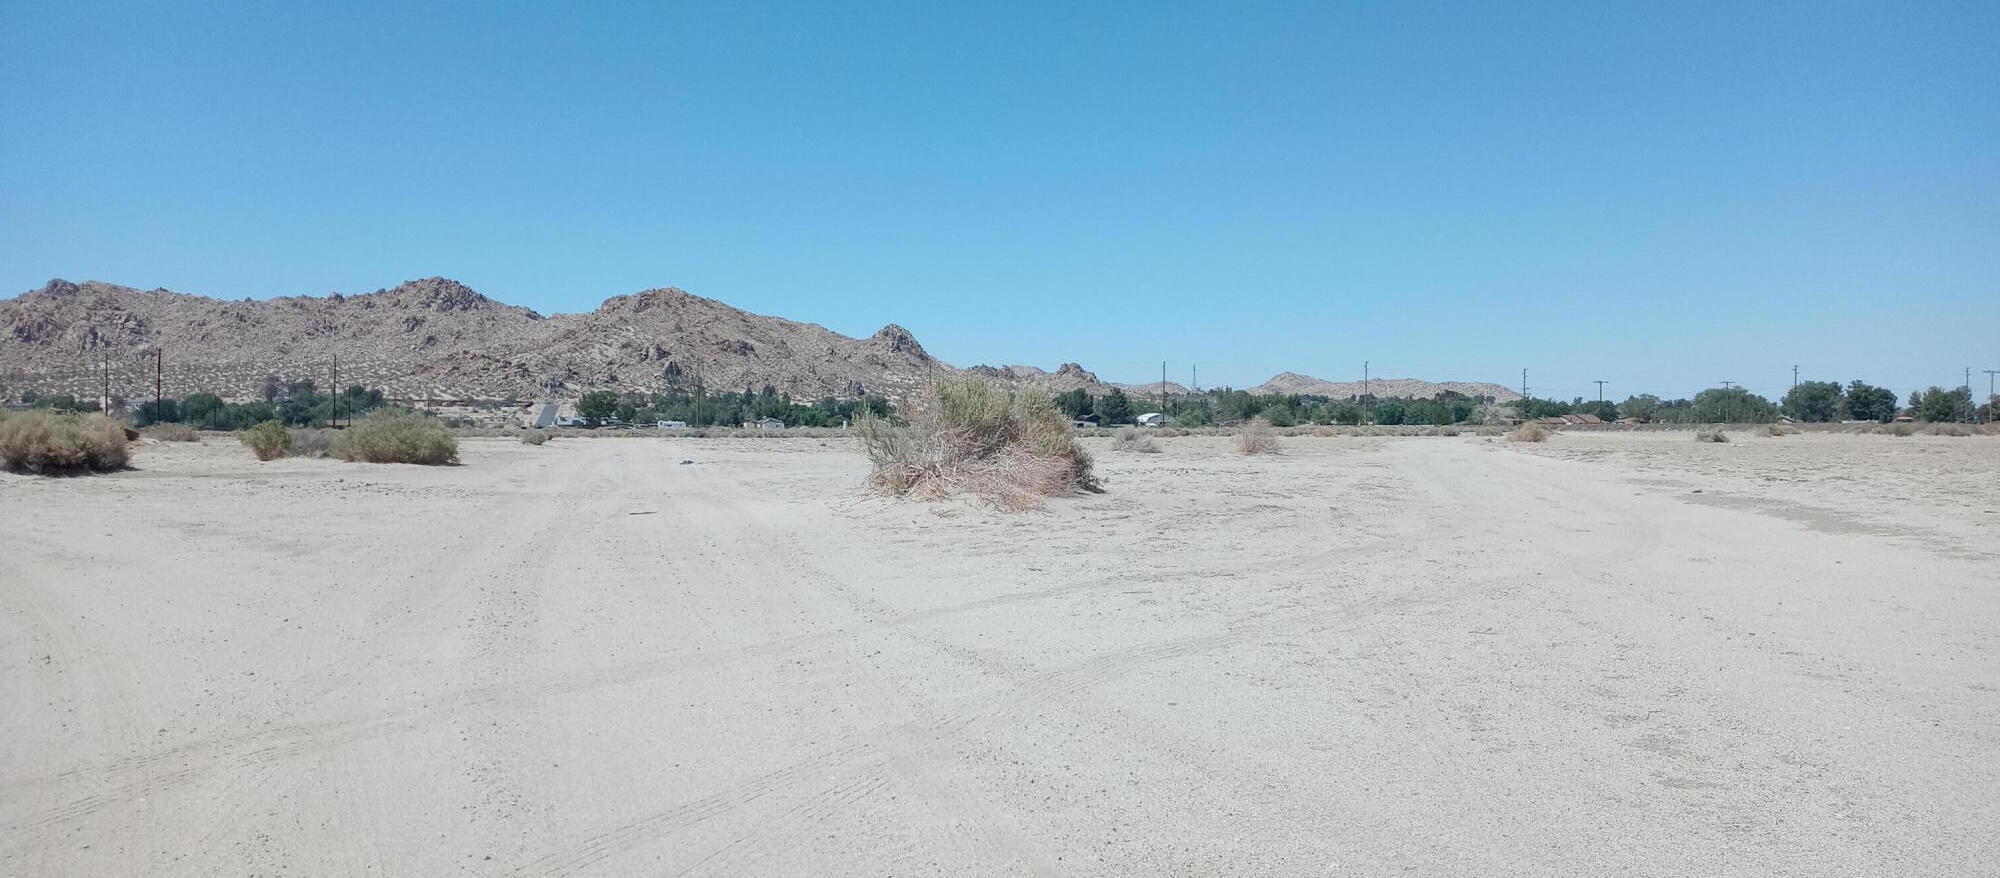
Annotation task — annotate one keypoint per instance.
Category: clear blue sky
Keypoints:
(1659, 195)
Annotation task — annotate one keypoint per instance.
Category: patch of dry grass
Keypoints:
(171, 432)
(62, 443)
(1711, 436)
(310, 442)
(534, 437)
(1011, 447)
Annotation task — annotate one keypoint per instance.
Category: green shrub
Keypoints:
(268, 440)
(534, 437)
(56, 443)
(397, 436)
(312, 442)
(1899, 430)
(1711, 436)
(1012, 447)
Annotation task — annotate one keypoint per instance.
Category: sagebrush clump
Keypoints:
(1528, 433)
(269, 440)
(61, 443)
(1255, 437)
(1711, 436)
(313, 442)
(1012, 447)
(391, 435)
(534, 437)
(1131, 439)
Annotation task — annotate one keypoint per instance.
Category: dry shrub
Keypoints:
(391, 435)
(1012, 447)
(534, 437)
(1949, 430)
(1773, 430)
(171, 432)
(61, 443)
(1899, 430)
(310, 442)
(1323, 432)
(1711, 436)
(269, 440)
(1990, 428)
(1255, 437)
(1130, 439)
(1528, 433)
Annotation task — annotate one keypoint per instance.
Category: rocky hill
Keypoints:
(438, 339)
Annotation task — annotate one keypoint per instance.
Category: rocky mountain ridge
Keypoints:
(437, 339)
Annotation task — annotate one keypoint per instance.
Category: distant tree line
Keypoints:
(727, 408)
(297, 404)
(1808, 402)
(1221, 405)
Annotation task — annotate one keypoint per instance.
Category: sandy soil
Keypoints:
(1438, 656)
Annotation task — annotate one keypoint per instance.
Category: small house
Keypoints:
(1151, 419)
(764, 424)
(1090, 420)
(672, 425)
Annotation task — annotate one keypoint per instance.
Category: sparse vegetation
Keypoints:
(1012, 447)
(1899, 430)
(269, 440)
(1131, 439)
(1255, 437)
(167, 432)
(393, 435)
(1529, 432)
(1711, 436)
(534, 437)
(50, 442)
(312, 442)
(1773, 430)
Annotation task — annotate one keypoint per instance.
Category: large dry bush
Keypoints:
(534, 437)
(1012, 447)
(1529, 432)
(1255, 437)
(1711, 436)
(391, 435)
(1130, 439)
(58, 443)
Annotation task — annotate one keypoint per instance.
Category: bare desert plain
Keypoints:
(1607, 654)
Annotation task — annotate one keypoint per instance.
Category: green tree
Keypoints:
(1814, 401)
(202, 408)
(1733, 405)
(1938, 404)
(1346, 413)
(1604, 411)
(1279, 416)
(1865, 402)
(166, 411)
(1643, 407)
(597, 404)
(1194, 413)
(1390, 412)
(1075, 403)
(1114, 408)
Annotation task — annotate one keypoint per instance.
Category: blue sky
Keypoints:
(1659, 195)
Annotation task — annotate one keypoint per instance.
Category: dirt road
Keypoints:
(1438, 656)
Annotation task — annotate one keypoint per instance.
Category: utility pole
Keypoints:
(159, 367)
(104, 398)
(1524, 384)
(1989, 394)
(1795, 376)
(1367, 403)
(1729, 403)
(335, 390)
(1194, 378)
(1600, 389)
(1163, 387)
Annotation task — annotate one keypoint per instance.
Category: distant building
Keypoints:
(764, 424)
(1090, 420)
(1583, 419)
(1151, 419)
(672, 425)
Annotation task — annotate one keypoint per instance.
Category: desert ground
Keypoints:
(1607, 654)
